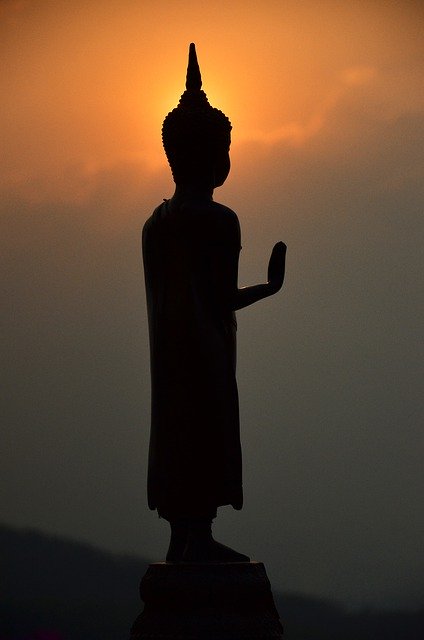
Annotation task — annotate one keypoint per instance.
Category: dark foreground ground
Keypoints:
(54, 589)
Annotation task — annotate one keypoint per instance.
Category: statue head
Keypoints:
(196, 137)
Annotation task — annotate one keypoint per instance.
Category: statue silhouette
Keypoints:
(191, 247)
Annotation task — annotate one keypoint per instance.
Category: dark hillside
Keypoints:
(58, 588)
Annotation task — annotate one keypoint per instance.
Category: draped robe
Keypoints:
(190, 255)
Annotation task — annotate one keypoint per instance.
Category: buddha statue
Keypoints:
(191, 247)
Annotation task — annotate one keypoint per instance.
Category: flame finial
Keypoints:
(194, 79)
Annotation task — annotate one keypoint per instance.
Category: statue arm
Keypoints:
(224, 263)
(248, 295)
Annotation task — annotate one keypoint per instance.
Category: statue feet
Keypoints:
(192, 541)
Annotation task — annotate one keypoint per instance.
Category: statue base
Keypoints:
(202, 601)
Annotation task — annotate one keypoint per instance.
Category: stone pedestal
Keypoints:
(219, 601)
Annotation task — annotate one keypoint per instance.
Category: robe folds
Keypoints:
(190, 254)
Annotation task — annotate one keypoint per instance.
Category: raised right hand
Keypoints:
(276, 267)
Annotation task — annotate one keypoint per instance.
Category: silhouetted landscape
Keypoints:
(58, 589)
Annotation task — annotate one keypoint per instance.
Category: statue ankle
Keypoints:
(178, 541)
(199, 529)
(179, 528)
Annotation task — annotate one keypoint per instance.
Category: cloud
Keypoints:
(293, 133)
(297, 133)
(108, 197)
(355, 76)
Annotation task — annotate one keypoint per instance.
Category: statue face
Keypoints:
(221, 167)
(209, 168)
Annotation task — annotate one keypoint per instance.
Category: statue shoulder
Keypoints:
(223, 216)
(225, 223)
(151, 220)
(224, 212)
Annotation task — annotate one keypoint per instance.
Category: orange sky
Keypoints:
(86, 85)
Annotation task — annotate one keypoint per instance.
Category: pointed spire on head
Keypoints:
(194, 130)
(194, 79)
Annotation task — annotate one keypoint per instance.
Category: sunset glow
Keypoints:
(87, 85)
(327, 106)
